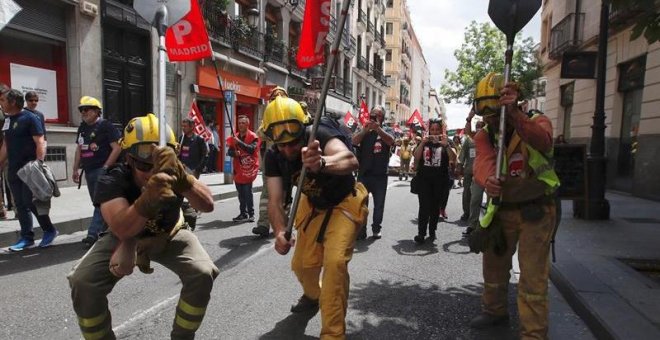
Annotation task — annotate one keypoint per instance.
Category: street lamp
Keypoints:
(253, 15)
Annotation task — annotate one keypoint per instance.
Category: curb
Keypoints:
(81, 224)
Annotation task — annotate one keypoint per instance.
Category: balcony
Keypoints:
(362, 21)
(339, 85)
(234, 33)
(352, 47)
(623, 16)
(363, 64)
(566, 35)
(332, 32)
(275, 51)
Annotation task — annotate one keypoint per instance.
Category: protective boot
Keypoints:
(485, 320)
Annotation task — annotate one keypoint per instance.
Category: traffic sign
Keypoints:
(176, 9)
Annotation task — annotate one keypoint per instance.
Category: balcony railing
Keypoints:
(371, 28)
(622, 16)
(348, 88)
(275, 51)
(339, 85)
(234, 33)
(362, 17)
(566, 35)
(363, 64)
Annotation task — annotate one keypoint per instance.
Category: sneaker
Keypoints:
(443, 213)
(240, 218)
(419, 239)
(484, 320)
(261, 230)
(22, 244)
(305, 304)
(251, 218)
(88, 241)
(48, 238)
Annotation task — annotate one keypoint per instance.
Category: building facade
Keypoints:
(398, 60)
(632, 94)
(436, 107)
(420, 79)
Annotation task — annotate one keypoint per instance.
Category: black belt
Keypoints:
(543, 200)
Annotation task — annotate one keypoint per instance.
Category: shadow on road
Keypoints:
(240, 248)
(217, 224)
(459, 247)
(292, 327)
(36, 258)
(362, 246)
(407, 310)
(410, 248)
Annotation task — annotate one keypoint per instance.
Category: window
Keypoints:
(566, 102)
(388, 28)
(388, 55)
(390, 3)
(631, 84)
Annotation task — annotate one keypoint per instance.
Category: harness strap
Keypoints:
(324, 225)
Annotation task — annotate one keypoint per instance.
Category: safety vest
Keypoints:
(540, 163)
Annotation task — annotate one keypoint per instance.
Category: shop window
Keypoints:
(631, 85)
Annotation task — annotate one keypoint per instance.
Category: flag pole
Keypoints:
(317, 116)
(222, 90)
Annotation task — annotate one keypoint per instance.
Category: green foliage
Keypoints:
(647, 22)
(483, 51)
(218, 5)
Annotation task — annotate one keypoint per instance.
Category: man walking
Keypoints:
(244, 149)
(374, 148)
(97, 149)
(141, 202)
(24, 142)
(194, 149)
(525, 216)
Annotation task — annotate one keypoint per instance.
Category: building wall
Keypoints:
(620, 50)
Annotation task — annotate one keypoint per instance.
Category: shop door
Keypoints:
(126, 70)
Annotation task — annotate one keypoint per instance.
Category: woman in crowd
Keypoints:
(432, 164)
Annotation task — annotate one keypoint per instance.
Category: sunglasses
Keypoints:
(141, 165)
(285, 132)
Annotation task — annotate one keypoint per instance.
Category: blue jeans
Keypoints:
(377, 186)
(23, 199)
(97, 225)
(245, 198)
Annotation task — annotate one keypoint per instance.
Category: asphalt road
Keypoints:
(399, 290)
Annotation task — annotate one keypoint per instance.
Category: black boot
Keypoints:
(305, 304)
(484, 320)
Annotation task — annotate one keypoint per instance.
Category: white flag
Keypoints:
(8, 8)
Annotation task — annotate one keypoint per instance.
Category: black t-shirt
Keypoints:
(374, 155)
(434, 161)
(118, 182)
(193, 151)
(94, 141)
(323, 190)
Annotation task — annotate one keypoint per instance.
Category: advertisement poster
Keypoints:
(40, 80)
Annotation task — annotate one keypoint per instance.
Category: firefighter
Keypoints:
(140, 201)
(526, 214)
(332, 208)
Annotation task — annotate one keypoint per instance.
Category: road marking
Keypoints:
(142, 315)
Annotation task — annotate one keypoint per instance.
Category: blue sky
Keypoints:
(439, 26)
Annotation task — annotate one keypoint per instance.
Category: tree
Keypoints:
(482, 52)
(646, 23)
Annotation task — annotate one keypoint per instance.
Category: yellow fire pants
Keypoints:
(333, 255)
(91, 282)
(533, 239)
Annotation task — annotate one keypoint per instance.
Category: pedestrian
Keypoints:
(464, 168)
(214, 147)
(140, 201)
(432, 175)
(405, 154)
(458, 144)
(375, 142)
(446, 189)
(31, 102)
(24, 143)
(194, 151)
(332, 208)
(97, 149)
(476, 191)
(263, 225)
(244, 149)
(525, 217)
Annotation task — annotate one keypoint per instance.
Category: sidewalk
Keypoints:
(615, 300)
(72, 211)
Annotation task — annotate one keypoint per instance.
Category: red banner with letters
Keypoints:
(187, 39)
(316, 24)
(416, 119)
(200, 127)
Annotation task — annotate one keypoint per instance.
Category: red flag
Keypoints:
(316, 24)
(364, 113)
(416, 119)
(187, 39)
(200, 126)
(349, 120)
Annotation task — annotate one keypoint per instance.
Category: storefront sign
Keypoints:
(241, 86)
(40, 80)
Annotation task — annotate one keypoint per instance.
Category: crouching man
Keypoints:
(140, 201)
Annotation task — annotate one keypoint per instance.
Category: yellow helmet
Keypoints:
(284, 120)
(487, 94)
(140, 133)
(277, 91)
(88, 101)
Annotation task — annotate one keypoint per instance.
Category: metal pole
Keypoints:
(161, 22)
(319, 109)
(597, 207)
(508, 59)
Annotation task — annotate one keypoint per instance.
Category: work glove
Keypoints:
(122, 260)
(156, 195)
(482, 239)
(165, 160)
(478, 240)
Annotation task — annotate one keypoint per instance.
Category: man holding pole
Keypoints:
(525, 213)
(332, 208)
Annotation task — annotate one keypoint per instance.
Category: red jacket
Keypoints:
(246, 157)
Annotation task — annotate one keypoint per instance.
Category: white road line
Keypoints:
(144, 314)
